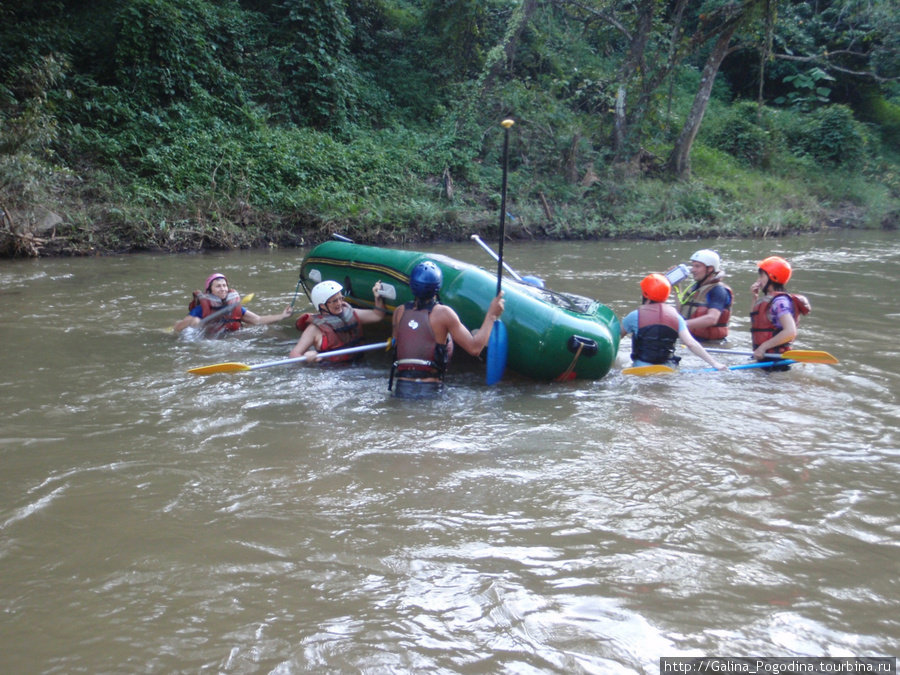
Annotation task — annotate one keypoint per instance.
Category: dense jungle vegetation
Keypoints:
(185, 124)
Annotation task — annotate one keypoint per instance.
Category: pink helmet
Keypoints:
(211, 278)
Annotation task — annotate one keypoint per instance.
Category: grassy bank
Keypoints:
(53, 211)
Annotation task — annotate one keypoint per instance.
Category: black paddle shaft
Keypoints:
(506, 125)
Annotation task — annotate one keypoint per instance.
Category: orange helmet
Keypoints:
(656, 287)
(778, 269)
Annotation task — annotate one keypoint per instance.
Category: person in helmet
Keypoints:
(215, 297)
(425, 332)
(706, 304)
(775, 312)
(336, 325)
(656, 326)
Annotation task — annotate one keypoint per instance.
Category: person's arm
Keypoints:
(378, 313)
(190, 321)
(308, 344)
(257, 320)
(711, 318)
(697, 348)
(475, 342)
(787, 334)
(187, 322)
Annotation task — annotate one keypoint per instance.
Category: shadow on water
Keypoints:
(296, 519)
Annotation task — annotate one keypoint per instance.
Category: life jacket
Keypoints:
(229, 321)
(654, 340)
(417, 354)
(694, 305)
(338, 332)
(761, 326)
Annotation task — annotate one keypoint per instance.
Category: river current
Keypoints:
(297, 519)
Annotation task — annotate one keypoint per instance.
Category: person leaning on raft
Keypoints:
(656, 326)
(336, 326)
(425, 332)
(706, 305)
(216, 295)
(775, 313)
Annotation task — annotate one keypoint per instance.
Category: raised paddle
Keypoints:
(232, 367)
(219, 312)
(799, 355)
(668, 370)
(527, 279)
(224, 310)
(498, 344)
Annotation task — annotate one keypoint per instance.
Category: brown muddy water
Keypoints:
(294, 520)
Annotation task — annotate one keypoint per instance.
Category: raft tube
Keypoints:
(552, 336)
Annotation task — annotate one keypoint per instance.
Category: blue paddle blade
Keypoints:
(744, 366)
(496, 354)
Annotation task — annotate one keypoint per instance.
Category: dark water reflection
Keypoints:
(294, 520)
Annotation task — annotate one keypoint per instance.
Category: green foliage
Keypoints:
(200, 122)
(828, 135)
(808, 89)
(746, 132)
(169, 51)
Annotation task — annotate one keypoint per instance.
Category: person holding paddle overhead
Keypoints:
(656, 326)
(706, 305)
(217, 309)
(425, 332)
(775, 312)
(336, 326)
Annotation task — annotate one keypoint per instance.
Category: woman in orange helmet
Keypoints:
(775, 312)
(655, 326)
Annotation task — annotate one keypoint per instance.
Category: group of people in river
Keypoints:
(702, 312)
(425, 331)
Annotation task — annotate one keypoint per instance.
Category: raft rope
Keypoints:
(568, 374)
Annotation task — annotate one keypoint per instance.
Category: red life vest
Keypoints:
(695, 305)
(338, 332)
(761, 326)
(418, 355)
(210, 303)
(654, 340)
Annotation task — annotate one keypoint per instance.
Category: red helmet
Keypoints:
(656, 287)
(778, 269)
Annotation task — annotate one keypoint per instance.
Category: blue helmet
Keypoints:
(425, 280)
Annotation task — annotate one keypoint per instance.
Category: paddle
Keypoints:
(667, 370)
(527, 279)
(498, 344)
(224, 310)
(799, 355)
(487, 248)
(232, 367)
(219, 312)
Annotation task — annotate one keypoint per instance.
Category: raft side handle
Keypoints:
(588, 346)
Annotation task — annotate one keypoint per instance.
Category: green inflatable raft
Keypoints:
(552, 336)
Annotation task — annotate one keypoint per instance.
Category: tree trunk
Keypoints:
(679, 163)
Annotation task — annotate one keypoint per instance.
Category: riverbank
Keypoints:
(752, 206)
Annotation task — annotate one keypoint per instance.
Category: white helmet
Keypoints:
(708, 258)
(322, 291)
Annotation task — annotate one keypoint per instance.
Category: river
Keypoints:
(298, 519)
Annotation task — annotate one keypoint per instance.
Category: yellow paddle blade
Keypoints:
(649, 370)
(809, 356)
(219, 368)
